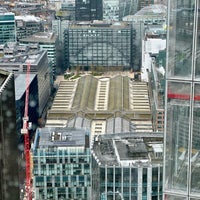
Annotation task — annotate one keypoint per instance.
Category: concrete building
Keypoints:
(47, 41)
(27, 25)
(7, 26)
(15, 60)
(88, 10)
(9, 154)
(62, 164)
(127, 167)
(100, 45)
(182, 141)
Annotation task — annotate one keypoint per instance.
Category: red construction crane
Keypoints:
(25, 131)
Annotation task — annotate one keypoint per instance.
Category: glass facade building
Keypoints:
(128, 183)
(182, 133)
(7, 27)
(117, 9)
(87, 10)
(99, 45)
(39, 65)
(61, 164)
(9, 154)
(124, 169)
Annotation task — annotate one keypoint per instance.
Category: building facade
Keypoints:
(144, 3)
(103, 45)
(9, 154)
(7, 27)
(87, 10)
(27, 25)
(47, 41)
(62, 164)
(127, 167)
(58, 27)
(181, 159)
(117, 9)
(16, 60)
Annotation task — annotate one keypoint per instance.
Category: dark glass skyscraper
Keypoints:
(87, 10)
(182, 132)
(9, 178)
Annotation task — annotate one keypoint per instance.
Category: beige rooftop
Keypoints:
(101, 98)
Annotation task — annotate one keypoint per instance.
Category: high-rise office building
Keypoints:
(117, 9)
(47, 41)
(9, 154)
(182, 133)
(87, 10)
(62, 164)
(7, 26)
(127, 167)
(15, 60)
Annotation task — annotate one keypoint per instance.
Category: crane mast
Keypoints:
(25, 131)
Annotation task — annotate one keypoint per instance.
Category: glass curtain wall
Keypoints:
(182, 138)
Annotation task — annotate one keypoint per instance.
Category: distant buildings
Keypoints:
(88, 10)
(115, 10)
(58, 27)
(27, 25)
(144, 3)
(99, 45)
(7, 26)
(153, 71)
(128, 166)
(9, 154)
(47, 41)
(182, 105)
(66, 11)
(62, 164)
(149, 15)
